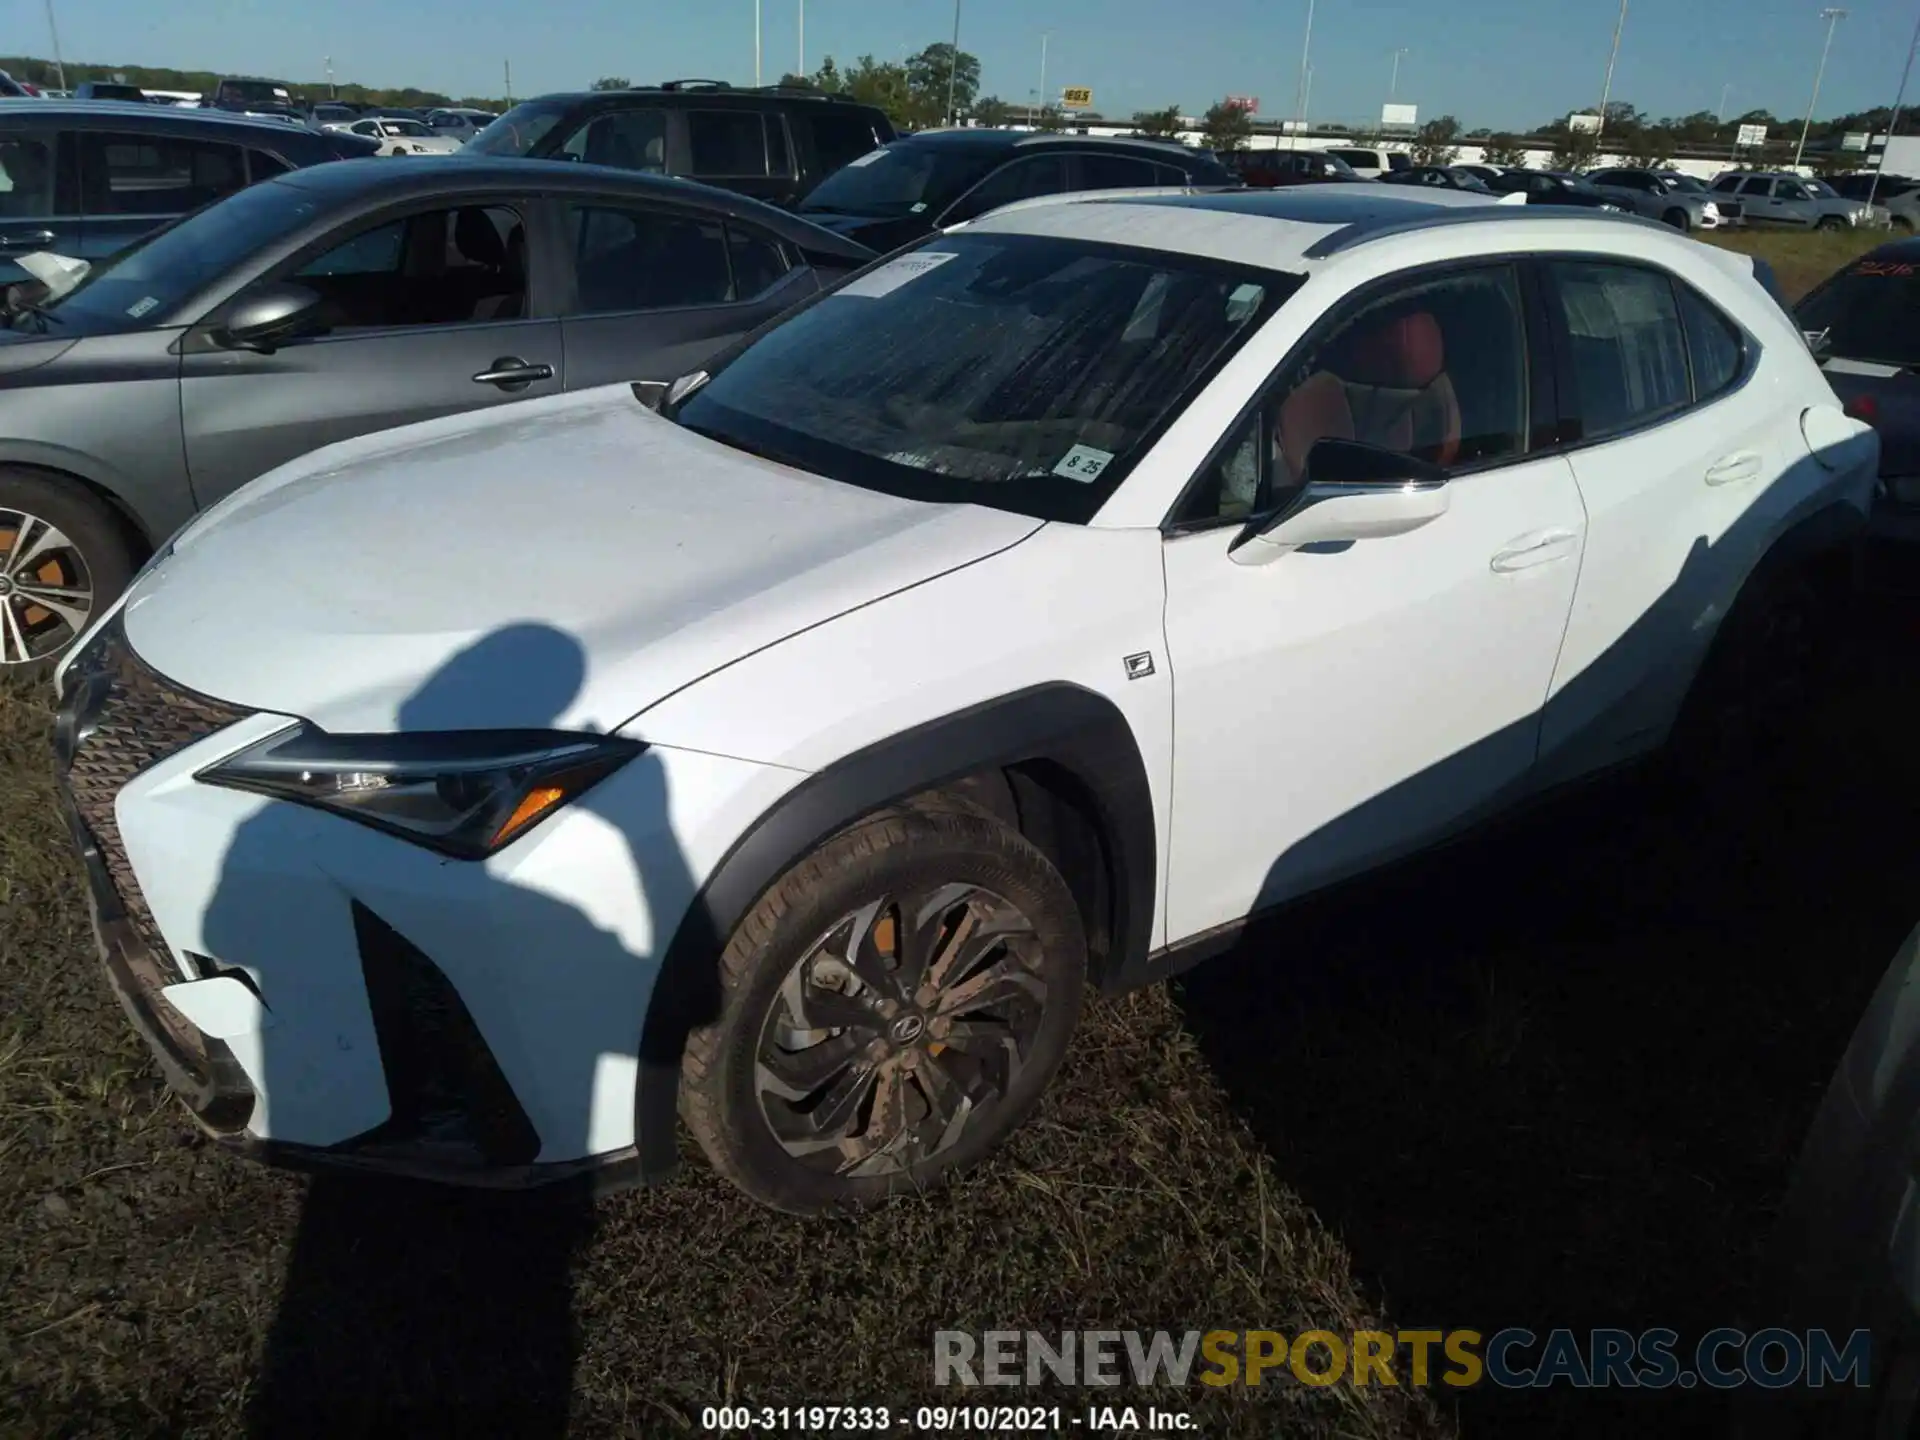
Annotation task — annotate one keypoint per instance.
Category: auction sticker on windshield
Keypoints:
(895, 273)
(1083, 463)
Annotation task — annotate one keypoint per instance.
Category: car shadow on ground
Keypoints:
(1557, 1075)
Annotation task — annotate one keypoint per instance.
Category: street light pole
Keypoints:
(1045, 35)
(756, 44)
(1393, 85)
(953, 65)
(1606, 90)
(1300, 90)
(1893, 120)
(1833, 16)
(802, 71)
(59, 70)
(332, 93)
(1720, 115)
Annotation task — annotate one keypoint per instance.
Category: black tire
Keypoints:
(1678, 219)
(1830, 222)
(97, 558)
(1902, 224)
(777, 954)
(1774, 650)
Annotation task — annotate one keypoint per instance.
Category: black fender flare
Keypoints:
(1067, 726)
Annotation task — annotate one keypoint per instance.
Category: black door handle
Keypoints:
(510, 372)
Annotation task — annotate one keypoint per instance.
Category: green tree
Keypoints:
(928, 74)
(1161, 124)
(1649, 147)
(1226, 127)
(883, 84)
(1051, 117)
(991, 110)
(828, 78)
(1436, 142)
(796, 82)
(1503, 149)
(613, 82)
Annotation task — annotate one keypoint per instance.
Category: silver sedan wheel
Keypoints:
(46, 589)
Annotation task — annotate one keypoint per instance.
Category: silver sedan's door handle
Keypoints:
(510, 372)
(32, 240)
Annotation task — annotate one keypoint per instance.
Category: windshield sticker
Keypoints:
(141, 307)
(895, 273)
(1083, 463)
(866, 159)
(1244, 300)
(1899, 268)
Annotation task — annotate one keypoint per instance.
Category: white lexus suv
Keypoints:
(788, 752)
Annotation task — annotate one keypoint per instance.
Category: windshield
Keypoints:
(1820, 190)
(1868, 312)
(520, 129)
(903, 180)
(1686, 184)
(142, 285)
(253, 91)
(404, 127)
(1020, 372)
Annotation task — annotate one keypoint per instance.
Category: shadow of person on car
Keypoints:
(469, 1016)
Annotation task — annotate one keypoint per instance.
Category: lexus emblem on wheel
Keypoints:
(907, 1029)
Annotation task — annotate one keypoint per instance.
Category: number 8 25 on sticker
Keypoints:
(1083, 463)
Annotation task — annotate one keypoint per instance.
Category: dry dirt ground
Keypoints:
(1553, 1076)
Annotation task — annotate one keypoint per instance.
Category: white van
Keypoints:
(1369, 162)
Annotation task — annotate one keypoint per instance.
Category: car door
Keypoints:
(133, 182)
(654, 290)
(428, 312)
(1793, 204)
(1756, 193)
(1671, 447)
(1336, 707)
(39, 196)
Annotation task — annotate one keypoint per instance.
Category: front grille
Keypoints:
(120, 718)
(1729, 210)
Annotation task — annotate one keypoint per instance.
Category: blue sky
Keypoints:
(1500, 63)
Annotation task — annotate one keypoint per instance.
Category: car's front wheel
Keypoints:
(1677, 218)
(1831, 222)
(63, 558)
(893, 1007)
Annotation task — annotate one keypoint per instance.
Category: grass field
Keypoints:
(1550, 1077)
(1801, 259)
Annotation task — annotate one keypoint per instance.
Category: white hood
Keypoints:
(335, 587)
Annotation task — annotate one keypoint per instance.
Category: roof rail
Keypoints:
(1082, 197)
(695, 85)
(812, 91)
(1360, 232)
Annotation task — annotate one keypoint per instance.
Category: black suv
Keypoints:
(774, 143)
(88, 177)
(941, 177)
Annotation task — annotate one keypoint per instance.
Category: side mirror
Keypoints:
(1351, 492)
(268, 315)
(651, 393)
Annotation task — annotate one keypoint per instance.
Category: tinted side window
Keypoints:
(1041, 175)
(840, 138)
(1714, 347)
(759, 263)
(634, 259)
(732, 143)
(443, 267)
(1169, 175)
(1629, 353)
(1789, 190)
(263, 166)
(1727, 184)
(1756, 185)
(155, 175)
(1396, 160)
(26, 177)
(624, 139)
(1114, 172)
(1435, 369)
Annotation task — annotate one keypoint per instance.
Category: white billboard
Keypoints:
(1751, 135)
(1399, 116)
(1582, 122)
(1857, 140)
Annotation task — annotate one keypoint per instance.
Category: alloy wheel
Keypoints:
(900, 1029)
(46, 589)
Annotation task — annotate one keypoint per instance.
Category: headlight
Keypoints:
(1710, 210)
(463, 793)
(1614, 208)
